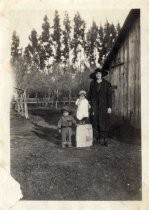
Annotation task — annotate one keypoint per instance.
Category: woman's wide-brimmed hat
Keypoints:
(93, 75)
(67, 109)
(82, 92)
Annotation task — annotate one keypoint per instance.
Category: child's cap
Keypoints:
(67, 109)
(82, 92)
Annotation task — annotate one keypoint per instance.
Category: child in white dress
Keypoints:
(83, 107)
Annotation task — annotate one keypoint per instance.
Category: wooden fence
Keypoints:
(46, 102)
(49, 101)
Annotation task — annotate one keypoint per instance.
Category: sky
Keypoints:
(23, 21)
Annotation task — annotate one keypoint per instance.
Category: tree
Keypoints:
(66, 38)
(34, 39)
(45, 43)
(17, 60)
(100, 44)
(56, 77)
(78, 41)
(15, 51)
(106, 40)
(37, 85)
(57, 32)
(107, 36)
(27, 57)
(91, 42)
(29, 62)
(118, 28)
(113, 35)
(33, 47)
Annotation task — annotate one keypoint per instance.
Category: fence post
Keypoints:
(25, 106)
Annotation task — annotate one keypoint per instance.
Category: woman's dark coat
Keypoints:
(100, 97)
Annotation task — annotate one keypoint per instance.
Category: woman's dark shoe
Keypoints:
(106, 143)
(98, 140)
(95, 141)
(103, 142)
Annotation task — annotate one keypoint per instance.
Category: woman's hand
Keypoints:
(109, 111)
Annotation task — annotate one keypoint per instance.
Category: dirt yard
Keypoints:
(45, 171)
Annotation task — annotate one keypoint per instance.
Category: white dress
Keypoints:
(83, 108)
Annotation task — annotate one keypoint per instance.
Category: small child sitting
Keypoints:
(83, 107)
(65, 125)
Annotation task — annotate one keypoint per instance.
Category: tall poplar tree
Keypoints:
(91, 44)
(57, 33)
(45, 44)
(78, 40)
(107, 36)
(34, 49)
(118, 28)
(17, 60)
(66, 38)
(100, 44)
(15, 51)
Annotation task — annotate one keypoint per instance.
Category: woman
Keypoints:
(100, 98)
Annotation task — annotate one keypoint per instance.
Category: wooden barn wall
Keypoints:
(127, 96)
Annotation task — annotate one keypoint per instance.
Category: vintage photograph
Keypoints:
(75, 118)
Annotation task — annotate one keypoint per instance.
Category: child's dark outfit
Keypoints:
(65, 124)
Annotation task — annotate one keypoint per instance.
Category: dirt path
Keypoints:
(48, 172)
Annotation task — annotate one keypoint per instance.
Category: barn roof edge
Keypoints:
(130, 19)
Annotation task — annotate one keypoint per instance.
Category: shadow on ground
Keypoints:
(50, 134)
(47, 134)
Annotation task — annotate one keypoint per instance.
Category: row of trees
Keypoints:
(58, 61)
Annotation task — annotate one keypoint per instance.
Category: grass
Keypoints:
(45, 171)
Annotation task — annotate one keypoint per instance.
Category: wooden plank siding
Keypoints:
(127, 97)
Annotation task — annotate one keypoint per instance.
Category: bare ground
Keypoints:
(45, 171)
